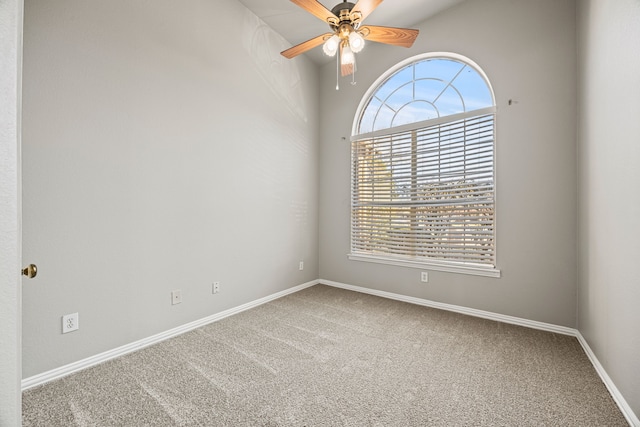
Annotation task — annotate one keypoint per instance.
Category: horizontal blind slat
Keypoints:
(426, 192)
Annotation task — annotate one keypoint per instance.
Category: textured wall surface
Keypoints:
(527, 49)
(609, 201)
(164, 149)
(10, 332)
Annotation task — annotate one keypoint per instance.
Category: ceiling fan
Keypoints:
(348, 36)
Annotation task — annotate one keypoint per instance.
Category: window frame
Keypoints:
(425, 263)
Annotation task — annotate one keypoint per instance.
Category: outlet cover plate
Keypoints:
(216, 287)
(176, 297)
(424, 277)
(70, 323)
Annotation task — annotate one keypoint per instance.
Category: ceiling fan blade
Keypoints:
(305, 46)
(346, 69)
(316, 9)
(365, 7)
(396, 36)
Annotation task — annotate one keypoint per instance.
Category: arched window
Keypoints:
(423, 168)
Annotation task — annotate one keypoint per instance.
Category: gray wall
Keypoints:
(162, 153)
(165, 146)
(527, 48)
(609, 200)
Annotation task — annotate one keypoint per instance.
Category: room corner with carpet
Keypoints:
(330, 356)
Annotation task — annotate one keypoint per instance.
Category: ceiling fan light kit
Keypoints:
(347, 34)
(330, 47)
(347, 57)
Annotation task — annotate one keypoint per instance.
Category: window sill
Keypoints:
(475, 270)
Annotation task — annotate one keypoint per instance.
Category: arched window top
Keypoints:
(424, 88)
(422, 168)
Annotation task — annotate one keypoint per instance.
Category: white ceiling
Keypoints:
(296, 25)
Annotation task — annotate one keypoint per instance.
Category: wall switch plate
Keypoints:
(301, 266)
(70, 323)
(424, 277)
(216, 287)
(176, 297)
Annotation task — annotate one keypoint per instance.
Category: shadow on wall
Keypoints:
(281, 75)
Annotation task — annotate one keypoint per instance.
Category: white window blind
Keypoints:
(426, 193)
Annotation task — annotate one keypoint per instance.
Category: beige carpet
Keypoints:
(330, 357)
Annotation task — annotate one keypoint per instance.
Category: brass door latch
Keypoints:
(30, 271)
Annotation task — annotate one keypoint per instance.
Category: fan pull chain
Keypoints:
(337, 72)
(353, 75)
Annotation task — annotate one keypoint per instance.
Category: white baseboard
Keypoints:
(74, 367)
(628, 413)
(457, 309)
(71, 368)
(624, 407)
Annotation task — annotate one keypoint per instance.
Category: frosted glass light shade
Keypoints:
(330, 47)
(356, 41)
(347, 56)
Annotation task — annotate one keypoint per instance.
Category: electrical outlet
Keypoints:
(70, 323)
(424, 277)
(301, 266)
(216, 287)
(176, 297)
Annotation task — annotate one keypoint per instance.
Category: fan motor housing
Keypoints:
(342, 11)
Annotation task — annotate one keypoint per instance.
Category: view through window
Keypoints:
(423, 169)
